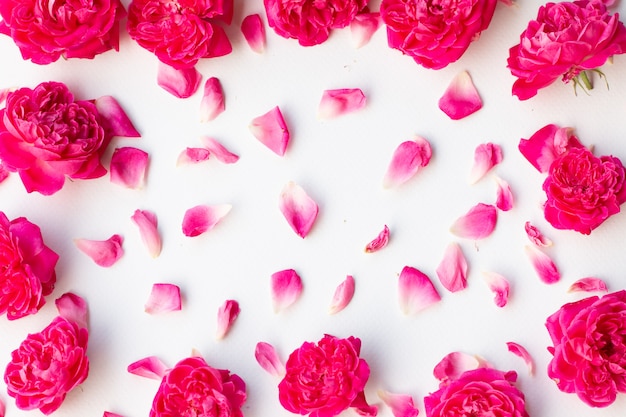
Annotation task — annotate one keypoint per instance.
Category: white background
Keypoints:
(340, 163)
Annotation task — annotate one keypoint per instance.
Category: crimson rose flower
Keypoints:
(47, 30)
(192, 387)
(589, 338)
(435, 33)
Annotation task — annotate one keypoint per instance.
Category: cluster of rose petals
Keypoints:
(193, 387)
(589, 338)
(435, 34)
(565, 39)
(27, 272)
(460, 98)
(48, 30)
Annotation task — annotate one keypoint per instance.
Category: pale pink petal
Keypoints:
(588, 284)
(298, 208)
(478, 223)
(128, 167)
(543, 265)
(499, 286)
(454, 364)
(407, 159)
(486, 156)
(218, 150)
(266, 356)
(271, 130)
(254, 32)
(401, 404)
(193, 156)
(363, 27)
(343, 295)
(286, 288)
(181, 83)
(460, 98)
(212, 103)
(452, 271)
(547, 144)
(519, 350)
(117, 120)
(226, 316)
(147, 223)
(73, 308)
(202, 218)
(103, 252)
(379, 241)
(163, 298)
(109, 414)
(535, 236)
(150, 367)
(335, 103)
(504, 195)
(416, 291)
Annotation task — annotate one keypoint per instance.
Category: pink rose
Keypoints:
(47, 30)
(589, 338)
(435, 33)
(47, 365)
(192, 387)
(27, 273)
(566, 39)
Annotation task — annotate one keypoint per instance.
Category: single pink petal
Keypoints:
(416, 291)
(504, 195)
(298, 208)
(519, 350)
(218, 150)
(117, 120)
(109, 414)
(181, 83)
(193, 156)
(486, 156)
(343, 295)
(103, 252)
(202, 218)
(478, 223)
(150, 367)
(499, 286)
(128, 167)
(212, 103)
(543, 265)
(163, 298)
(266, 356)
(535, 236)
(147, 223)
(73, 308)
(407, 159)
(454, 364)
(363, 27)
(341, 101)
(547, 144)
(226, 316)
(452, 271)
(286, 288)
(588, 284)
(271, 130)
(254, 32)
(379, 241)
(401, 404)
(460, 98)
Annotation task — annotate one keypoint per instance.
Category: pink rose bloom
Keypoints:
(193, 388)
(566, 39)
(435, 33)
(47, 365)
(27, 268)
(310, 21)
(180, 32)
(589, 338)
(48, 30)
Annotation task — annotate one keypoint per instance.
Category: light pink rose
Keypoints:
(48, 30)
(192, 387)
(435, 33)
(27, 267)
(589, 338)
(565, 39)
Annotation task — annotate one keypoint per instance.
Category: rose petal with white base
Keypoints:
(128, 167)
(150, 367)
(226, 316)
(286, 287)
(588, 284)
(335, 103)
(461, 97)
(478, 223)
(181, 83)
(271, 130)
(202, 218)
(193, 156)
(401, 405)
(536, 236)
(363, 27)
(147, 223)
(379, 241)
(212, 103)
(486, 156)
(298, 208)
(266, 356)
(118, 121)
(218, 150)
(499, 285)
(452, 271)
(104, 253)
(343, 295)
(504, 195)
(544, 266)
(163, 298)
(253, 32)
(519, 350)
(406, 161)
(416, 291)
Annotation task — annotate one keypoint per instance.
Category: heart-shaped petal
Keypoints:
(416, 291)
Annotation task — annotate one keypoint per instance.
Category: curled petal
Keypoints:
(504, 196)
(588, 284)
(147, 223)
(499, 286)
(193, 156)
(363, 27)
(486, 156)
(298, 208)
(401, 404)
(254, 32)
(266, 356)
(128, 167)
(338, 102)
(202, 218)
(478, 223)
(548, 144)
(343, 295)
(454, 364)
(271, 130)
(519, 350)
(163, 298)
(212, 103)
(452, 271)
(543, 265)
(416, 291)
(286, 288)
(460, 98)
(535, 236)
(379, 241)
(150, 367)
(218, 150)
(103, 252)
(407, 159)
(181, 83)
(226, 316)
(117, 120)
(73, 308)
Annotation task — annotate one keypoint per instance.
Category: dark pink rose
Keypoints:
(48, 30)
(435, 33)
(193, 388)
(47, 365)
(26, 268)
(565, 39)
(589, 338)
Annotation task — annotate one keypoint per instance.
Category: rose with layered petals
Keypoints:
(564, 40)
(435, 33)
(27, 265)
(589, 338)
(193, 388)
(48, 30)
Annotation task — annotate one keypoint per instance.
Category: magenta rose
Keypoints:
(47, 365)
(193, 388)
(27, 273)
(48, 30)
(589, 338)
(435, 33)
(564, 40)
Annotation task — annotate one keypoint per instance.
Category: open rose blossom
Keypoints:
(194, 388)
(436, 33)
(48, 30)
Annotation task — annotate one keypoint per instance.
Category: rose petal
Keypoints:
(163, 298)
(2, 405)
(118, 121)
(103, 252)
(416, 291)
(147, 223)
(202, 218)
(379, 241)
(286, 288)
(193, 156)
(499, 286)
(128, 167)
(547, 144)
(271, 130)
(460, 98)
(298, 208)
(181, 83)
(212, 103)
(218, 150)
(226, 316)
(504, 196)
(343, 295)
(266, 356)
(535, 236)
(588, 284)
(339, 102)
(407, 159)
(543, 265)
(454, 364)
(254, 32)
(150, 367)
(363, 27)
(4, 173)
(519, 350)
(4, 92)
(401, 404)
(362, 408)
(109, 414)
(486, 156)
(452, 271)
(73, 308)
(478, 223)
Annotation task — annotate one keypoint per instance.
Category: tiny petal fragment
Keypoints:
(298, 208)
(363, 27)
(193, 156)
(117, 119)
(407, 159)
(379, 241)
(212, 104)
(147, 223)
(535, 236)
(460, 98)
(150, 367)
(486, 156)
(343, 295)
(128, 167)
(254, 32)
(271, 130)
(338, 102)
(454, 364)
(519, 350)
(478, 223)
(226, 316)
(181, 83)
(286, 288)
(163, 298)
(416, 291)
(202, 218)
(452, 271)
(73, 308)
(103, 252)
(504, 196)
(499, 286)
(543, 265)
(588, 284)
(218, 150)
(109, 414)
(401, 404)
(266, 356)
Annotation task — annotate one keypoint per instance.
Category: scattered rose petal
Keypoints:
(147, 223)
(163, 298)
(504, 196)
(193, 156)
(109, 414)
(460, 98)
(254, 32)
(298, 208)
(267, 357)
(128, 167)
(454, 364)
(543, 265)
(335, 103)
(343, 295)
(407, 159)
(588, 284)
(416, 291)
(202, 218)
(117, 120)
(486, 156)
(401, 404)
(499, 286)
(218, 150)
(212, 103)
(73, 308)
(226, 316)
(452, 271)
(103, 252)
(363, 27)
(547, 144)
(181, 83)
(535, 236)
(379, 241)
(286, 288)
(271, 130)
(478, 223)
(150, 367)
(519, 350)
